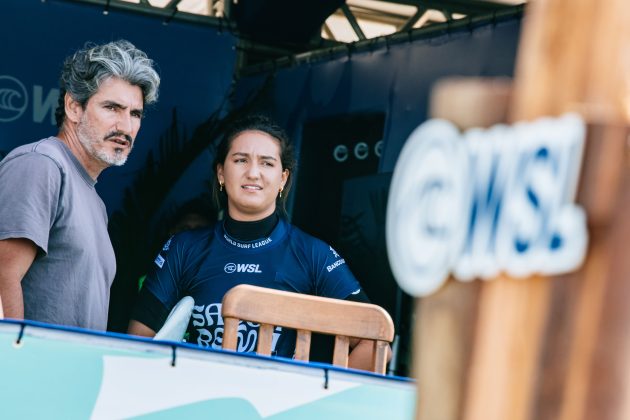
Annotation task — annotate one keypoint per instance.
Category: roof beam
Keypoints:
(353, 21)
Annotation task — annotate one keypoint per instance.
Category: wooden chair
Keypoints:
(306, 314)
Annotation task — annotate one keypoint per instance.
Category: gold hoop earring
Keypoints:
(220, 186)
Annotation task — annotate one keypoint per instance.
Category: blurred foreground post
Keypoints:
(546, 347)
(445, 321)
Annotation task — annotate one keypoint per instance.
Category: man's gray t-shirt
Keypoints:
(48, 197)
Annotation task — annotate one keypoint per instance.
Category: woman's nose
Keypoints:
(253, 170)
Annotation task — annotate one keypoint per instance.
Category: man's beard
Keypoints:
(89, 138)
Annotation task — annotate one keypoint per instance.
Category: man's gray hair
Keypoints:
(85, 70)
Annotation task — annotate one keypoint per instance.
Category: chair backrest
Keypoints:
(306, 314)
(176, 323)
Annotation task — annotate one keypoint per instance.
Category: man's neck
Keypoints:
(68, 135)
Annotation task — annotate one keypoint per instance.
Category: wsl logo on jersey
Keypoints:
(485, 202)
(242, 268)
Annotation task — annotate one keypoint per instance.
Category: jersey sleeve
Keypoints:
(333, 276)
(30, 188)
(163, 285)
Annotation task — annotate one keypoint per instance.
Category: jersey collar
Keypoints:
(257, 244)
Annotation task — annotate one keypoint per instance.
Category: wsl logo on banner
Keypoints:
(486, 202)
(14, 101)
(13, 98)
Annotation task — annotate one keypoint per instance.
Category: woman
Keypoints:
(253, 245)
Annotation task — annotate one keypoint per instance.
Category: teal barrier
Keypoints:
(52, 372)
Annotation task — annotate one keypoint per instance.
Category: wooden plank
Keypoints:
(555, 347)
(586, 322)
(574, 321)
(443, 331)
(443, 339)
(303, 345)
(510, 324)
(379, 364)
(471, 101)
(230, 333)
(608, 376)
(342, 350)
(601, 173)
(265, 339)
(573, 57)
(553, 53)
(292, 310)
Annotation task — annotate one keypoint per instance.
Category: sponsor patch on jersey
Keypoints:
(159, 261)
(167, 244)
(336, 264)
(333, 251)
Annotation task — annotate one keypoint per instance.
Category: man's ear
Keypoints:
(74, 110)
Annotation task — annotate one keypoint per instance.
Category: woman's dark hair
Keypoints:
(262, 123)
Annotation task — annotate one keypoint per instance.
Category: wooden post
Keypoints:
(556, 348)
(445, 321)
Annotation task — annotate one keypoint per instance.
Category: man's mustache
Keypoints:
(120, 134)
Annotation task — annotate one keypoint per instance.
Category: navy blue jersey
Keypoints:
(206, 263)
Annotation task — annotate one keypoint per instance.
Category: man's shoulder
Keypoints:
(45, 149)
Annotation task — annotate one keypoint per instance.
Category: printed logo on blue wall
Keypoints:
(13, 98)
(486, 202)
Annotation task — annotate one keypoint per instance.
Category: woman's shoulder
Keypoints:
(305, 239)
(192, 238)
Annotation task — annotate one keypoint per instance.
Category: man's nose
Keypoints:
(124, 123)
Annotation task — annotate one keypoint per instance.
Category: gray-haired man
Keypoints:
(56, 258)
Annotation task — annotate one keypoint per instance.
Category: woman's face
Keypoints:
(252, 175)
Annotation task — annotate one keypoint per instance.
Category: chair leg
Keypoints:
(380, 357)
(342, 348)
(302, 345)
(265, 339)
(230, 333)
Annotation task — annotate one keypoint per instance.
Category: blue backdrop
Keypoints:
(196, 64)
(395, 80)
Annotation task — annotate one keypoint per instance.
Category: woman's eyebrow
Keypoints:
(265, 157)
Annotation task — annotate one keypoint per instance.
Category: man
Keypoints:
(56, 259)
